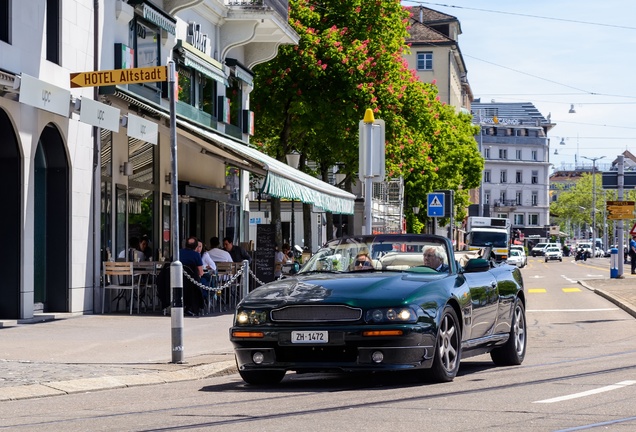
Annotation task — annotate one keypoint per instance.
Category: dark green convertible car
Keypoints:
(380, 303)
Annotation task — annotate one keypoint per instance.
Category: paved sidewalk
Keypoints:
(61, 354)
(620, 291)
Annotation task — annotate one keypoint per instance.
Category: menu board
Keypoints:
(264, 255)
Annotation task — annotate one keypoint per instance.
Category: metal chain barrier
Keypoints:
(258, 281)
(226, 285)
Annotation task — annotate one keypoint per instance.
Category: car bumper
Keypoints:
(347, 350)
(549, 257)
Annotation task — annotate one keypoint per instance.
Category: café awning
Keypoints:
(281, 180)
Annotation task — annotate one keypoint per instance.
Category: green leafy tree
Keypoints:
(311, 97)
(573, 208)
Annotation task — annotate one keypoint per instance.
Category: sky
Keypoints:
(555, 54)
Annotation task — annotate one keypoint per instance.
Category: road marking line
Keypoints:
(568, 279)
(572, 310)
(536, 290)
(589, 392)
(567, 290)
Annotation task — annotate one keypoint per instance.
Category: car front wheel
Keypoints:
(448, 349)
(513, 351)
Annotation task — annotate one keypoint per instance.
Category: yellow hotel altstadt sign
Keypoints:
(119, 76)
(619, 210)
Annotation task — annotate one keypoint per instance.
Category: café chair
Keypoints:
(120, 276)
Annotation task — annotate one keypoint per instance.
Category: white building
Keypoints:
(515, 146)
(88, 168)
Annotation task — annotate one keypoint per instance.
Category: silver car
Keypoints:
(553, 253)
(515, 258)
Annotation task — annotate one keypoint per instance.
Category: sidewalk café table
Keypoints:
(148, 271)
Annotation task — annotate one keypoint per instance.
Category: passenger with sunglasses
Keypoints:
(362, 262)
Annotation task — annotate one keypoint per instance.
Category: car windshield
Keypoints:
(413, 252)
(552, 250)
(488, 238)
(540, 245)
(514, 252)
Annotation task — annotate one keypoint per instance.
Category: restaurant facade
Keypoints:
(89, 167)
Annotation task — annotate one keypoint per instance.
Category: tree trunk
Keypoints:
(307, 224)
(275, 203)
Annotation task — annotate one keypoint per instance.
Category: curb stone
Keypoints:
(83, 385)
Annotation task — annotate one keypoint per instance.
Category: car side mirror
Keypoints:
(477, 265)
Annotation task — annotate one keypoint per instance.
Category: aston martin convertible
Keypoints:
(391, 302)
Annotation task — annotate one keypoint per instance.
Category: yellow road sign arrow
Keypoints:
(119, 76)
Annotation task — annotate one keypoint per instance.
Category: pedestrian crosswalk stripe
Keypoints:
(567, 290)
(536, 290)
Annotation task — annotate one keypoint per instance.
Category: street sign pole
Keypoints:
(176, 269)
(621, 250)
(368, 179)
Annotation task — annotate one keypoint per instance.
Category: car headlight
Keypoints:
(391, 315)
(251, 317)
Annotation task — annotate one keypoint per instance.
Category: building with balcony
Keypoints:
(513, 140)
(88, 166)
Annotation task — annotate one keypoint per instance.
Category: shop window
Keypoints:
(235, 95)
(145, 40)
(52, 31)
(5, 21)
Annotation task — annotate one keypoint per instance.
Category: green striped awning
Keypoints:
(281, 180)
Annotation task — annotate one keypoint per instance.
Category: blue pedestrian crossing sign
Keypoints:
(435, 207)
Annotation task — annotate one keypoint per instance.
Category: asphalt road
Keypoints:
(579, 374)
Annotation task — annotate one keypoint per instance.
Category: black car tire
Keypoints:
(513, 351)
(263, 377)
(448, 350)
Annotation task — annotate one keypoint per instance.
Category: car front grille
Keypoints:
(315, 313)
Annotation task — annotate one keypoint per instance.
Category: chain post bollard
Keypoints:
(245, 282)
(176, 312)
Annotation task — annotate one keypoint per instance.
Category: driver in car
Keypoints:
(434, 258)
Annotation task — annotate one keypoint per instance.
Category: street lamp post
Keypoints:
(593, 195)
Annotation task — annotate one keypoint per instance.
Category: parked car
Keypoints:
(399, 313)
(516, 259)
(553, 253)
(522, 251)
(538, 249)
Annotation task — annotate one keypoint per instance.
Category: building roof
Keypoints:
(429, 16)
(629, 161)
(421, 33)
(524, 112)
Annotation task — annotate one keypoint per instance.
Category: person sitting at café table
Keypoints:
(237, 253)
(191, 259)
(217, 254)
(362, 262)
(144, 246)
(132, 253)
(434, 258)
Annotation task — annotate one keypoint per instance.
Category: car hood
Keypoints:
(360, 289)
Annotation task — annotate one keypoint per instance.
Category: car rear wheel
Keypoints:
(448, 349)
(514, 350)
(263, 377)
